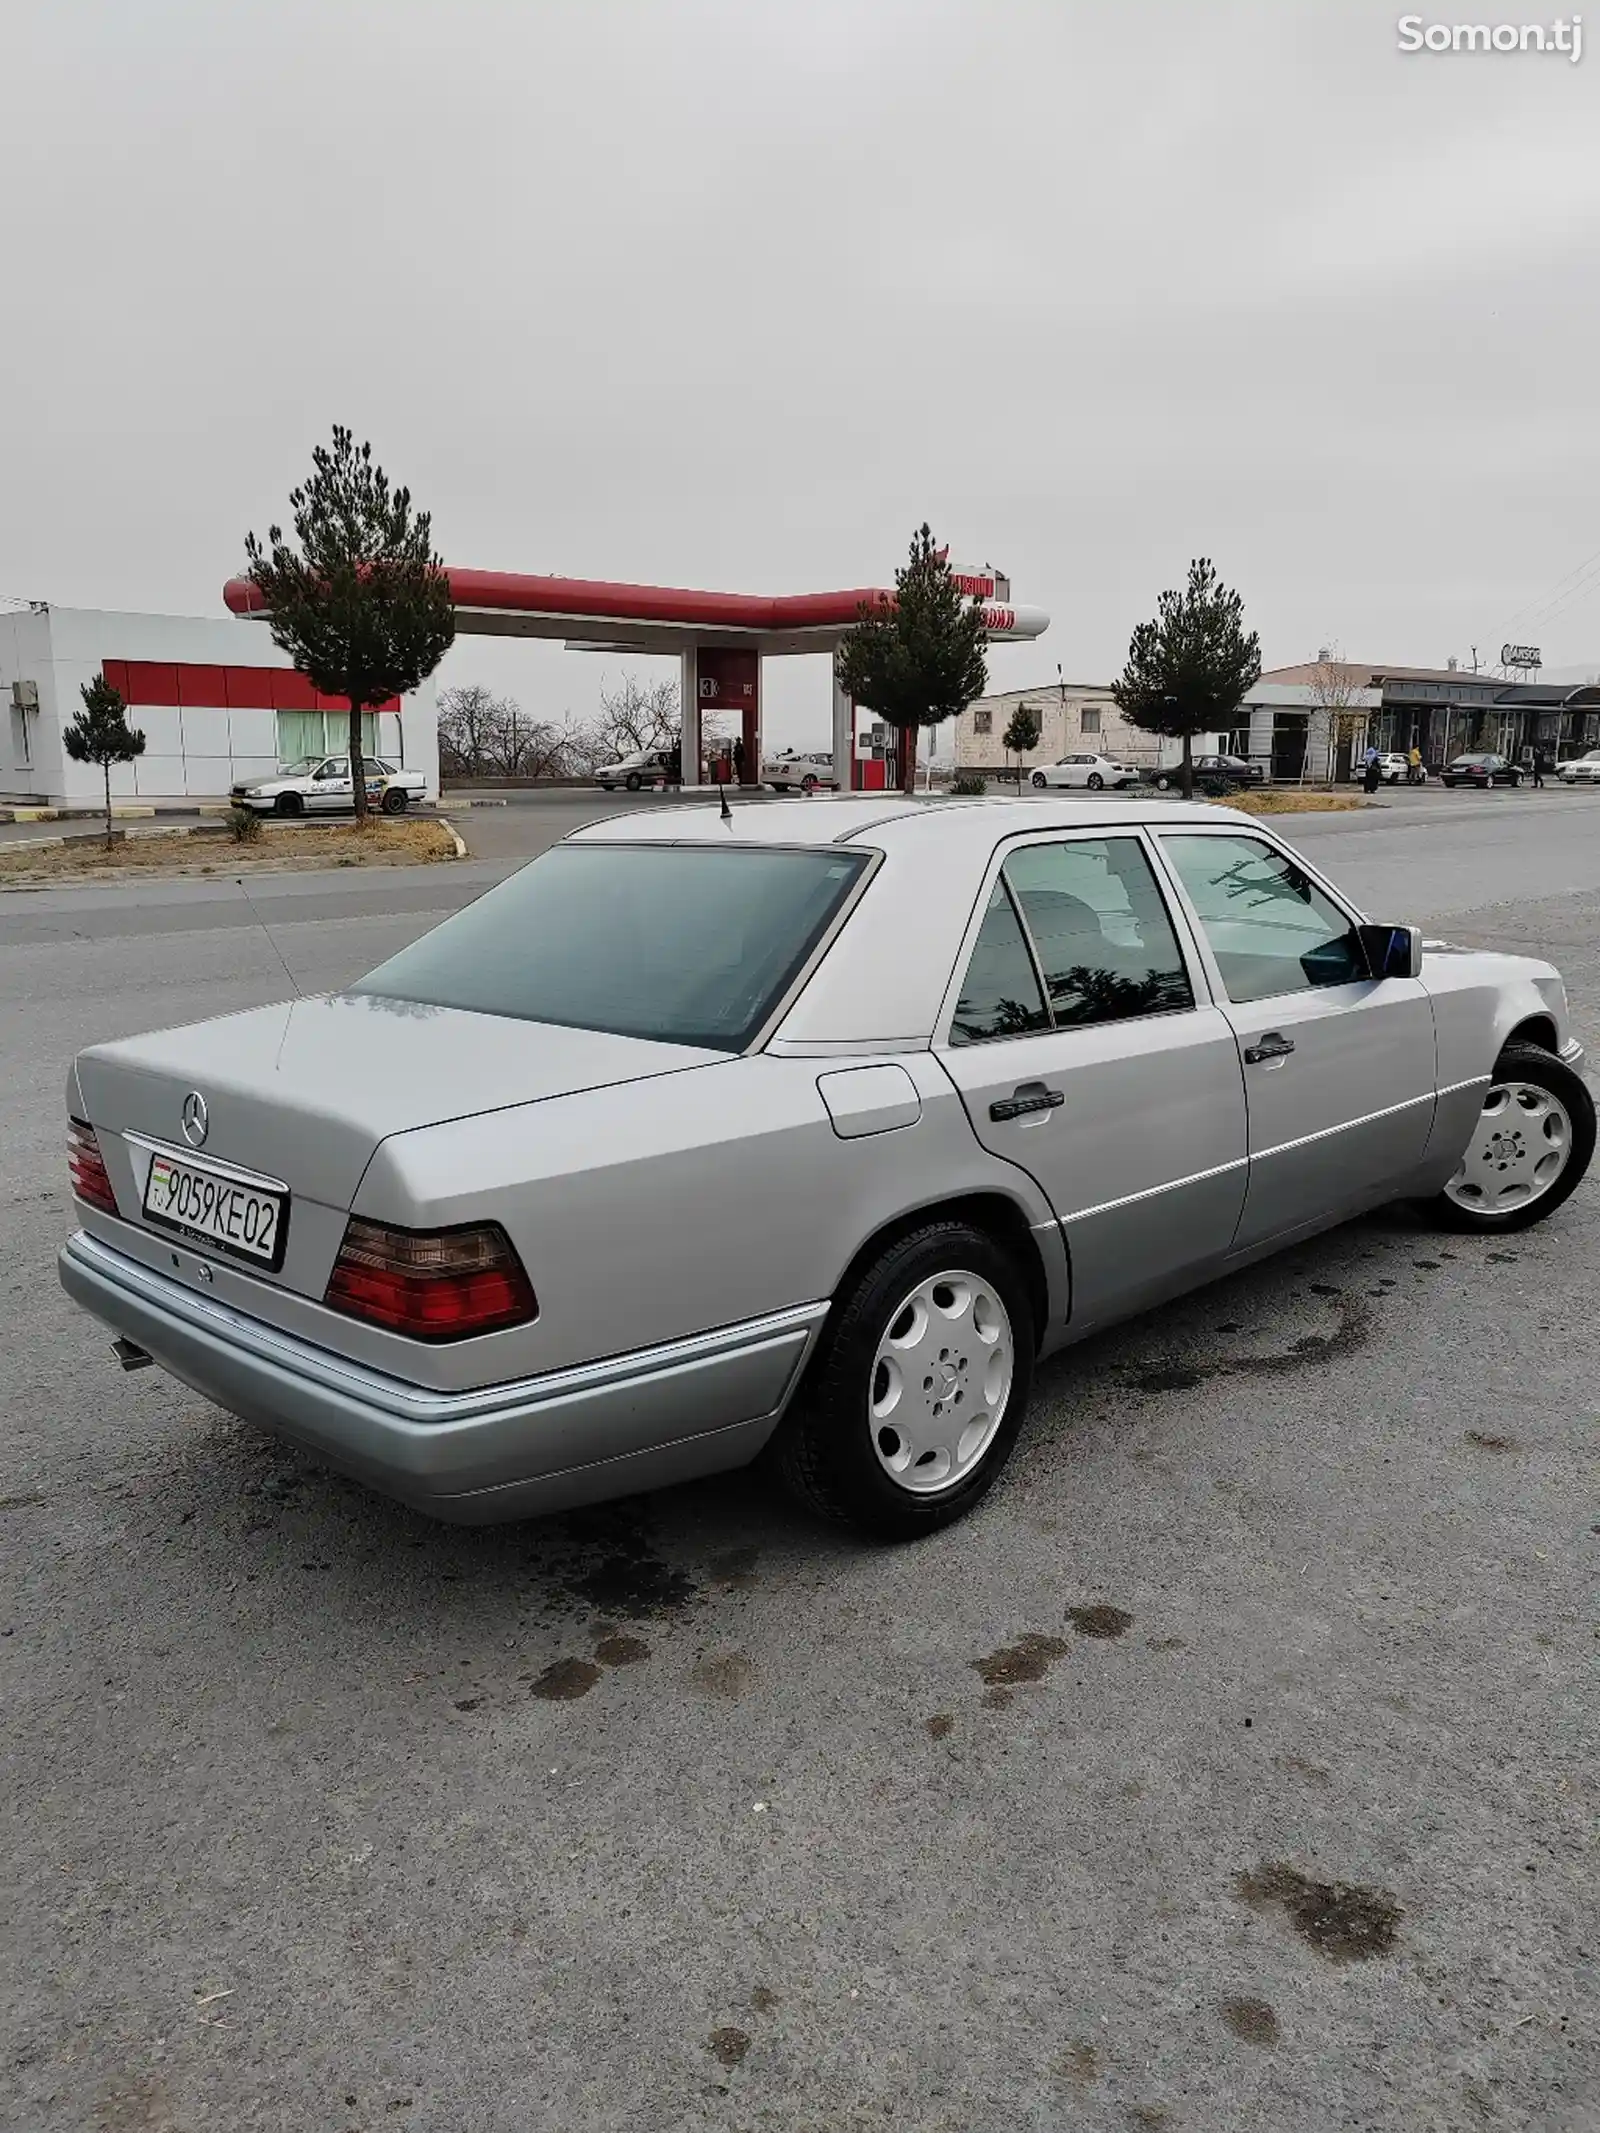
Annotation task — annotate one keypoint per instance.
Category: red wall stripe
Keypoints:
(151, 682)
(202, 686)
(291, 691)
(249, 688)
(145, 681)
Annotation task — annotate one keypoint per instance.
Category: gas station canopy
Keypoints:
(719, 638)
(664, 618)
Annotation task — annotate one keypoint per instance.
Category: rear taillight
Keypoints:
(84, 1160)
(435, 1285)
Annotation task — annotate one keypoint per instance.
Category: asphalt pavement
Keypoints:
(1233, 1769)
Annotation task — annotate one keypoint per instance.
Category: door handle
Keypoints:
(1028, 1096)
(1273, 1045)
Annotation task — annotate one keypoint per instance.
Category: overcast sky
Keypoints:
(732, 293)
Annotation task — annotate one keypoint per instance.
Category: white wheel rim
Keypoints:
(940, 1383)
(1519, 1149)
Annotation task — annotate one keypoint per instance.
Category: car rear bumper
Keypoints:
(611, 1428)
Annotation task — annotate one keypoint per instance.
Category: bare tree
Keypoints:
(1336, 690)
(528, 748)
(636, 715)
(482, 735)
(468, 717)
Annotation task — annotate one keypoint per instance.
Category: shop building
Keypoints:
(1317, 719)
(216, 704)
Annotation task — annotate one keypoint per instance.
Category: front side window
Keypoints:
(1271, 929)
(685, 944)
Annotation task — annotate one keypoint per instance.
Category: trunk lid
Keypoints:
(304, 1092)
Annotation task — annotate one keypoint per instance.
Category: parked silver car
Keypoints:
(805, 1132)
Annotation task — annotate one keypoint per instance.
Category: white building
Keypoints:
(1075, 718)
(215, 700)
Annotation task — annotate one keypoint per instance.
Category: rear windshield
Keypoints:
(687, 944)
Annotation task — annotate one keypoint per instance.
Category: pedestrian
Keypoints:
(738, 759)
(1538, 771)
(1414, 765)
(1371, 775)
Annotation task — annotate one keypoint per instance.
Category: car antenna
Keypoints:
(267, 930)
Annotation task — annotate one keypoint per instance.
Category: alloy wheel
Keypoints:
(1519, 1149)
(940, 1382)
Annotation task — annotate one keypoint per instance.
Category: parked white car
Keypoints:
(1095, 772)
(1582, 770)
(795, 772)
(320, 784)
(1392, 768)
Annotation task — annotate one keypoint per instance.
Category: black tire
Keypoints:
(1524, 1062)
(395, 800)
(824, 1451)
(288, 803)
(632, 781)
(1095, 782)
(808, 784)
(1163, 783)
(1039, 781)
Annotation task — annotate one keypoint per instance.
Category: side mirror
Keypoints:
(1393, 951)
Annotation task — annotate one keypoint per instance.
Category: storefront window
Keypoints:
(305, 733)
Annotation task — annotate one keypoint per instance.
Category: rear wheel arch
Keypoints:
(993, 1213)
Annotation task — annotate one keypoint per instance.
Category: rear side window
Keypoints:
(1100, 929)
(1271, 929)
(1000, 994)
(686, 944)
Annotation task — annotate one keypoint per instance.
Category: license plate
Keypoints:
(237, 1218)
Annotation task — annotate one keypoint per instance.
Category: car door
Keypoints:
(330, 785)
(1339, 1067)
(1086, 1051)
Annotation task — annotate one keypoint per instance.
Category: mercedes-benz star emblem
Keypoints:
(196, 1119)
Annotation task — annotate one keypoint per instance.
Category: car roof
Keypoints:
(881, 983)
(887, 821)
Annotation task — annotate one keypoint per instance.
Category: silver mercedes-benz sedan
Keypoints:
(804, 1132)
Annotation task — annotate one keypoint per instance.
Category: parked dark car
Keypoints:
(1236, 769)
(1482, 771)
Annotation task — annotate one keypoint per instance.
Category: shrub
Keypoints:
(1217, 788)
(244, 825)
(969, 785)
